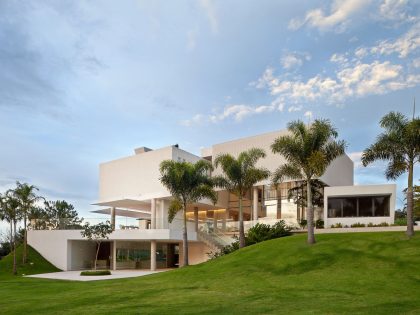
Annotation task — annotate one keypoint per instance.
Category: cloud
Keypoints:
(292, 60)
(403, 45)
(236, 112)
(208, 7)
(340, 13)
(308, 114)
(395, 10)
(294, 108)
(356, 158)
(195, 120)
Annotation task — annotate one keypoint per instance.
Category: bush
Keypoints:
(303, 223)
(258, 233)
(355, 225)
(96, 273)
(337, 225)
(319, 224)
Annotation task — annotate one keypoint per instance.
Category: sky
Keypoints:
(83, 82)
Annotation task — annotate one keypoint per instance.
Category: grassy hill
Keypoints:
(36, 264)
(358, 273)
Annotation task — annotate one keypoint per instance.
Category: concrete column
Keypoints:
(114, 255)
(196, 218)
(153, 214)
(113, 218)
(255, 204)
(215, 221)
(224, 221)
(153, 255)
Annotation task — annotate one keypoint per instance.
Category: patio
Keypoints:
(75, 275)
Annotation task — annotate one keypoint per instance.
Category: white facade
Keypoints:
(354, 192)
(130, 187)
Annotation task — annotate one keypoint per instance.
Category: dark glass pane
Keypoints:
(365, 207)
(349, 207)
(334, 207)
(381, 205)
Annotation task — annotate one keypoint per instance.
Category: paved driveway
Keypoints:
(75, 275)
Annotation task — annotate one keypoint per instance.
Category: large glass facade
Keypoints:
(366, 206)
(136, 255)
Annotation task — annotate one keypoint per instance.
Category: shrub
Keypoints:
(258, 233)
(303, 223)
(370, 224)
(96, 273)
(337, 225)
(400, 221)
(319, 224)
(358, 225)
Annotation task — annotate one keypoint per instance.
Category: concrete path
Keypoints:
(75, 275)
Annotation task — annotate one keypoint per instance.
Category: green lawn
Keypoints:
(363, 273)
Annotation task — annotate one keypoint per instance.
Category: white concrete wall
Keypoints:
(197, 253)
(137, 175)
(53, 245)
(59, 248)
(81, 254)
(360, 190)
(340, 172)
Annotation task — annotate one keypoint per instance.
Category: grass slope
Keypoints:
(36, 264)
(357, 273)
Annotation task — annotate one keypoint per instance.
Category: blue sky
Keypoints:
(84, 82)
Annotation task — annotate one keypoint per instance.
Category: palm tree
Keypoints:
(188, 183)
(27, 198)
(308, 151)
(400, 145)
(4, 216)
(11, 213)
(239, 176)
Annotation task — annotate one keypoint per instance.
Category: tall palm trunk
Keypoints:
(185, 237)
(410, 215)
(97, 253)
(310, 213)
(14, 248)
(11, 234)
(241, 225)
(25, 240)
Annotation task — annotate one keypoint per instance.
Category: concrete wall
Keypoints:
(197, 253)
(360, 190)
(340, 172)
(81, 254)
(137, 175)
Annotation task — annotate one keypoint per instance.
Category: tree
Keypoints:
(239, 176)
(308, 151)
(27, 199)
(299, 195)
(97, 233)
(399, 144)
(61, 215)
(188, 183)
(11, 213)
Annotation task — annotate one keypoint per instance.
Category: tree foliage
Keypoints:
(239, 175)
(399, 145)
(308, 150)
(188, 183)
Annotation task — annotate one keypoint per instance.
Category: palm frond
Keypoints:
(286, 171)
(174, 207)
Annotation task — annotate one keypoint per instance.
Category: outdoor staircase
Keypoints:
(214, 240)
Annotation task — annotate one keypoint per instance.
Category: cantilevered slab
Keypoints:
(139, 214)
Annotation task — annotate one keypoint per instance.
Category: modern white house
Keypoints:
(129, 187)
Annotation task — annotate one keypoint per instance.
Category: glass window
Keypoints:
(334, 208)
(349, 207)
(381, 206)
(365, 207)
